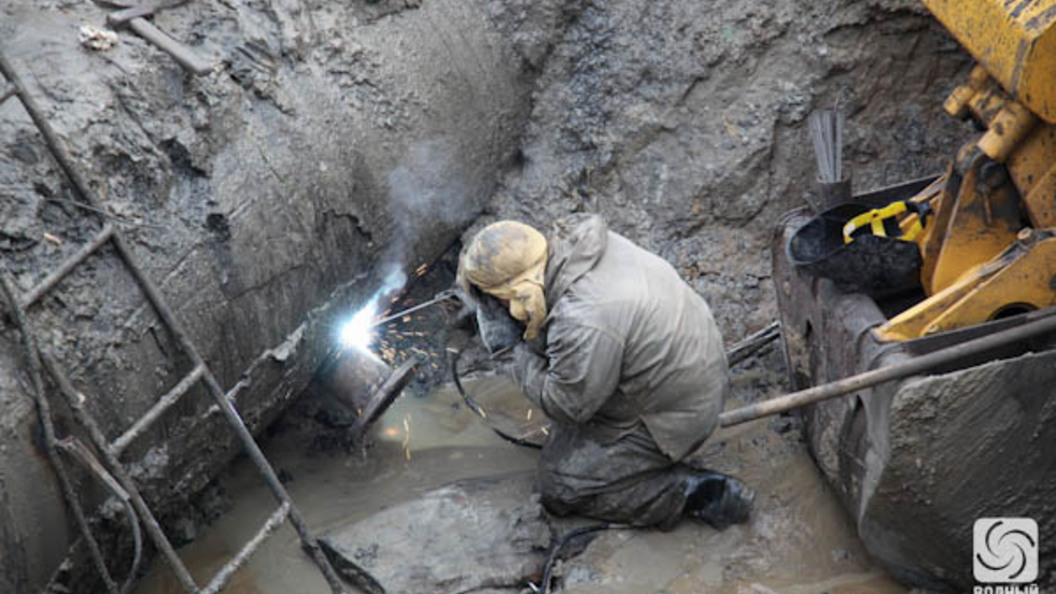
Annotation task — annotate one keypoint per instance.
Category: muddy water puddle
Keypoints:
(798, 542)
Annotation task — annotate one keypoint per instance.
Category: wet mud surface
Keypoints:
(799, 540)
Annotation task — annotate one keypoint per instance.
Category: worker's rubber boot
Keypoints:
(718, 499)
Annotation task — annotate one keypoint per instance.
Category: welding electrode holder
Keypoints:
(441, 297)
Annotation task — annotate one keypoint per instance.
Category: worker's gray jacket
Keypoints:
(626, 341)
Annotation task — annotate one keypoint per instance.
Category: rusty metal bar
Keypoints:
(179, 52)
(904, 369)
(76, 402)
(224, 575)
(80, 452)
(50, 441)
(135, 18)
(123, 16)
(163, 404)
(272, 479)
(7, 93)
(752, 343)
(50, 138)
(66, 267)
(75, 448)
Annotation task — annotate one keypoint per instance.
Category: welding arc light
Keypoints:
(357, 332)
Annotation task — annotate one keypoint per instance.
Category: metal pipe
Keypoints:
(751, 344)
(233, 418)
(134, 16)
(381, 398)
(884, 374)
(182, 54)
(168, 318)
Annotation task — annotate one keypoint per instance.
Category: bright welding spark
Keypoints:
(407, 437)
(357, 332)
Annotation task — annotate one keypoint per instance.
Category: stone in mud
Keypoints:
(467, 537)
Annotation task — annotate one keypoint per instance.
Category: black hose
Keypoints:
(476, 407)
(564, 540)
(82, 454)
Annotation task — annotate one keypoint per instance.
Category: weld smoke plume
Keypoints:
(425, 190)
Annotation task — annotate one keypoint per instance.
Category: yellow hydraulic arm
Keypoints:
(991, 248)
(1013, 40)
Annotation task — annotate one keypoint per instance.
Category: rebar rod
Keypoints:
(884, 374)
(179, 52)
(67, 266)
(81, 453)
(228, 570)
(163, 404)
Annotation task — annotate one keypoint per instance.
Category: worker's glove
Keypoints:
(498, 329)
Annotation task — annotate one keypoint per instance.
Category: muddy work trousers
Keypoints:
(628, 481)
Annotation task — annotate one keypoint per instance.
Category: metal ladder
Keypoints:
(111, 451)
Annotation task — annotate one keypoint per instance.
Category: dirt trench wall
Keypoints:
(333, 143)
(684, 123)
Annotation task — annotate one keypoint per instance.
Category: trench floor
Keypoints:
(799, 540)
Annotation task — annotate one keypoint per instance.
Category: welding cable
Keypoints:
(473, 406)
(544, 588)
(737, 353)
(78, 451)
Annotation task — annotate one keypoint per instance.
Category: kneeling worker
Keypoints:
(626, 360)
